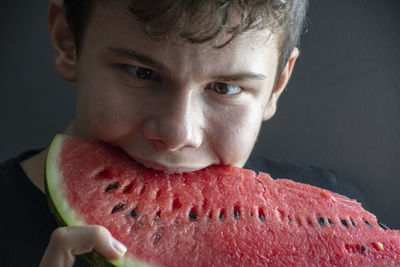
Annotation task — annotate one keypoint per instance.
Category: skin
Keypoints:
(182, 108)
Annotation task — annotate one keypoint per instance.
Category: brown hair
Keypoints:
(202, 20)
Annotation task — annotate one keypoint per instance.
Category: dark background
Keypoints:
(340, 111)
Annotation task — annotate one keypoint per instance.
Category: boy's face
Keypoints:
(171, 105)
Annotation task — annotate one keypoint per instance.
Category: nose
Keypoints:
(176, 123)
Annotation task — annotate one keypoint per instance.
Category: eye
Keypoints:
(225, 89)
(141, 73)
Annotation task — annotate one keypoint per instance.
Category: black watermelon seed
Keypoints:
(158, 216)
(384, 226)
(133, 213)
(261, 215)
(111, 187)
(193, 215)
(363, 248)
(367, 223)
(157, 237)
(118, 207)
(353, 223)
(222, 217)
(330, 221)
(344, 222)
(236, 214)
(321, 221)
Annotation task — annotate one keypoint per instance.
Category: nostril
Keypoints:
(169, 133)
(173, 144)
(158, 144)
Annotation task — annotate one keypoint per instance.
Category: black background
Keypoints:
(340, 111)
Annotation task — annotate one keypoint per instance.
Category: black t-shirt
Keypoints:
(26, 222)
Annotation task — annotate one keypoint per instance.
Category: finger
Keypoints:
(66, 242)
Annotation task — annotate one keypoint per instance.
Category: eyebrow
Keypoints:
(241, 76)
(137, 56)
(150, 62)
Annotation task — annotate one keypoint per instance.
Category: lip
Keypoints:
(165, 168)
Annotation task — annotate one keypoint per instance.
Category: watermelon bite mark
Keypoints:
(218, 216)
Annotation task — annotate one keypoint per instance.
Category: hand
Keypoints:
(67, 242)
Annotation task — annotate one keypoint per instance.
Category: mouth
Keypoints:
(170, 169)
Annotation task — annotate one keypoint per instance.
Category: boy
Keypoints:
(179, 85)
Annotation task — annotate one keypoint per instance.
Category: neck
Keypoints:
(34, 167)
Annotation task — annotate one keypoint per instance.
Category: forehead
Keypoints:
(112, 24)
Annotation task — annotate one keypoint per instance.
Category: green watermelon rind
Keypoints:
(65, 215)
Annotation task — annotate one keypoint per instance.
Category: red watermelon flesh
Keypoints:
(218, 216)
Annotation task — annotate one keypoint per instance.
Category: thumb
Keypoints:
(66, 242)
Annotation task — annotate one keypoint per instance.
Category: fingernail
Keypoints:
(119, 247)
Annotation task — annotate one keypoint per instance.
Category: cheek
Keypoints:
(235, 134)
(104, 111)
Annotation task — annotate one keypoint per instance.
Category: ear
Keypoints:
(63, 41)
(280, 86)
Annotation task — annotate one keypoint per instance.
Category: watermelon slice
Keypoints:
(217, 216)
